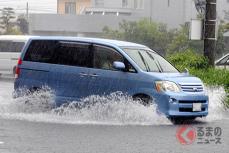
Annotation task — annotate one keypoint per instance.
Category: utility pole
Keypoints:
(27, 11)
(210, 31)
(151, 10)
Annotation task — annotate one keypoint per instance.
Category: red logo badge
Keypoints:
(186, 134)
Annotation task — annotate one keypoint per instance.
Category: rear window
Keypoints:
(11, 46)
(59, 52)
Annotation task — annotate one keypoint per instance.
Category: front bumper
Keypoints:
(181, 104)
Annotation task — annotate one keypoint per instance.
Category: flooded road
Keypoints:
(120, 126)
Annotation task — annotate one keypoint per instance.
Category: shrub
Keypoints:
(212, 76)
(198, 66)
(188, 59)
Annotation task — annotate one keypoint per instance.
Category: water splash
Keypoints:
(39, 101)
(217, 105)
(114, 109)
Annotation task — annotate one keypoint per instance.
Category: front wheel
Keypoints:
(143, 99)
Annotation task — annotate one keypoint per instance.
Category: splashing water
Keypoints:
(114, 109)
(217, 107)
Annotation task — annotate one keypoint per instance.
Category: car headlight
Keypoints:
(167, 86)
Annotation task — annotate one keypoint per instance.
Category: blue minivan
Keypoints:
(79, 67)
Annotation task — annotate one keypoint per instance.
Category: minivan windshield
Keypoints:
(150, 61)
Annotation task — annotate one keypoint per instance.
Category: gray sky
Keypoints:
(35, 6)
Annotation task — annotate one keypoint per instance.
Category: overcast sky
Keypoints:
(39, 6)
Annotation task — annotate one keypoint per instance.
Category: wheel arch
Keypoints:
(142, 95)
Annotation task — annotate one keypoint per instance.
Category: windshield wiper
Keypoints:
(156, 62)
(146, 65)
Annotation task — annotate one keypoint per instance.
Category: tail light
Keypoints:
(18, 70)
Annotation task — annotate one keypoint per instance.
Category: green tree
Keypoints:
(14, 31)
(220, 43)
(23, 25)
(226, 27)
(181, 42)
(6, 23)
(154, 35)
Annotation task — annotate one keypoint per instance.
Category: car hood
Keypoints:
(179, 78)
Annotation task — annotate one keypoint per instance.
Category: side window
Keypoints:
(17, 46)
(11, 46)
(40, 51)
(59, 52)
(73, 54)
(104, 58)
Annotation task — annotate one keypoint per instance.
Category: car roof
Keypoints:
(91, 40)
(15, 37)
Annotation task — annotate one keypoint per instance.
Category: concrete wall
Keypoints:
(73, 25)
(171, 12)
(117, 3)
(222, 6)
(109, 3)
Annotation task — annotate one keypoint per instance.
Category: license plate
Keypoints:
(196, 107)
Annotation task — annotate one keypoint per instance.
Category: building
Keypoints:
(171, 12)
(88, 17)
(223, 10)
(72, 6)
(72, 25)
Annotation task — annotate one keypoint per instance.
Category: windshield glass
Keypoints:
(150, 61)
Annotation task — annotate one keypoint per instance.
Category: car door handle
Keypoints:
(93, 75)
(82, 74)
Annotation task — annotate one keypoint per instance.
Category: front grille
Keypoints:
(192, 87)
(190, 102)
(188, 109)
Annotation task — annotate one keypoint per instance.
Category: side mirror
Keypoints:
(186, 71)
(119, 65)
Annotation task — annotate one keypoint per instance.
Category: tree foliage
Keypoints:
(181, 42)
(226, 27)
(188, 59)
(159, 38)
(10, 25)
(152, 34)
(7, 15)
(155, 35)
(23, 25)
